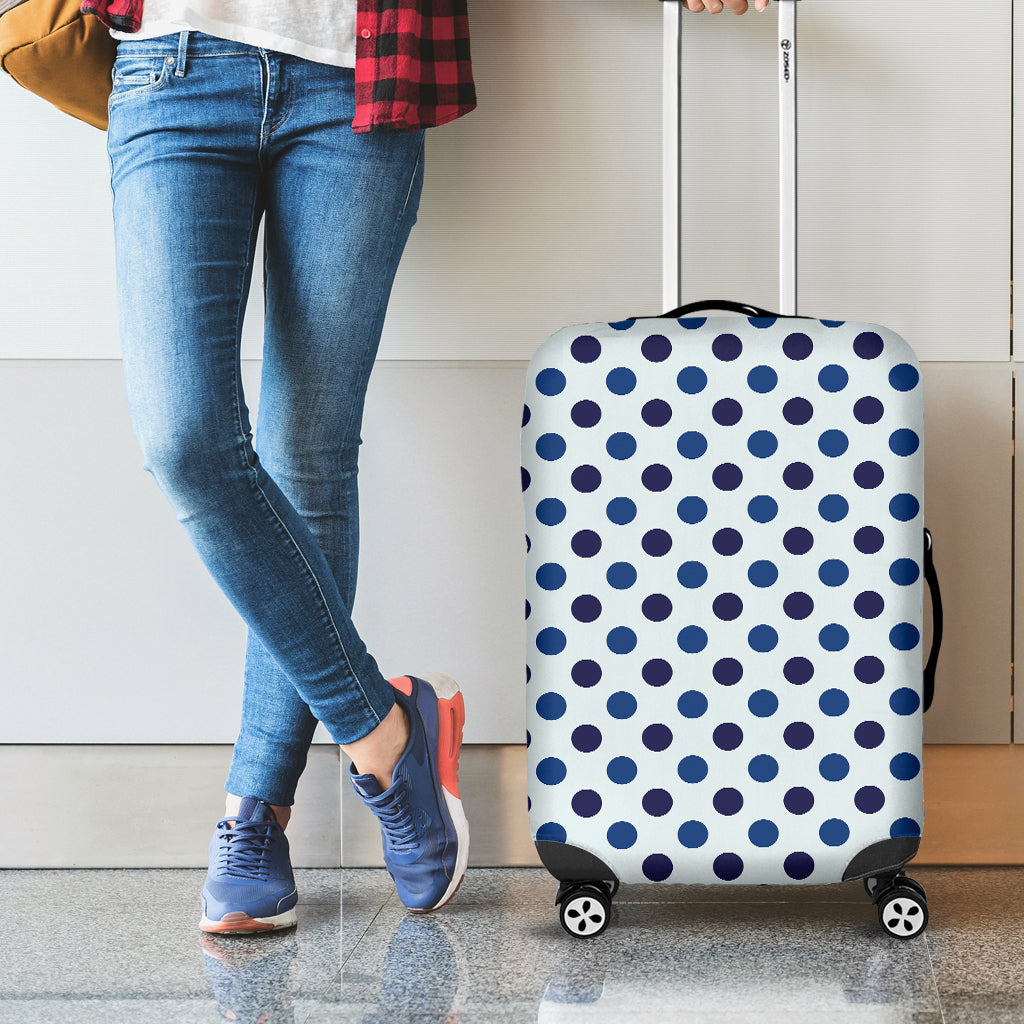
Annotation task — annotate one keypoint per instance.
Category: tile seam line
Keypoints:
(336, 977)
(935, 980)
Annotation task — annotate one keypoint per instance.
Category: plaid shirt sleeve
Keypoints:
(413, 67)
(123, 15)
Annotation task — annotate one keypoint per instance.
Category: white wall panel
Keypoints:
(903, 167)
(541, 207)
(968, 506)
(111, 630)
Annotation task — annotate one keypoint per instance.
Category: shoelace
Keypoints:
(397, 822)
(244, 849)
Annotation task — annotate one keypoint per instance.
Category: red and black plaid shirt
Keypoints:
(413, 68)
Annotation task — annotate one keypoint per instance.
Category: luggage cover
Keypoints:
(724, 595)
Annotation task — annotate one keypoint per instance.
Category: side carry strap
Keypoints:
(933, 588)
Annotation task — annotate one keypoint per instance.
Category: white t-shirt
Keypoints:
(320, 30)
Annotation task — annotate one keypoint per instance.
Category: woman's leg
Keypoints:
(189, 166)
(339, 209)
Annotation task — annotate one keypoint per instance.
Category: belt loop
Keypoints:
(179, 70)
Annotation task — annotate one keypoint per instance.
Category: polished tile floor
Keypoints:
(122, 946)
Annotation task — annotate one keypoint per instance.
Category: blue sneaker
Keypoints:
(424, 828)
(249, 886)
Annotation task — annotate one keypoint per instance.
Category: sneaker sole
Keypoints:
(240, 923)
(451, 717)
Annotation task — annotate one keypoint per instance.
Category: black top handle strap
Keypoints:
(726, 304)
(932, 579)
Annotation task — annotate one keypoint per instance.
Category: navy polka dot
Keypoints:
(586, 413)
(798, 476)
(798, 671)
(798, 735)
(656, 672)
(586, 673)
(868, 410)
(799, 866)
(656, 478)
(727, 347)
(869, 669)
(798, 800)
(656, 608)
(798, 411)
(586, 803)
(585, 479)
(727, 671)
(728, 867)
(798, 540)
(728, 801)
(656, 348)
(727, 412)
(869, 735)
(727, 607)
(657, 867)
(868, 475)
(727, 541)
(728, 736)
(868, 345)
(798, 606)
(727, 477)
(586, 738)
(656, 413)
(657, 802)
(798, 346)
(657, 737)
(656, 543)
(869, 800)
(586, 608)
(586, 544)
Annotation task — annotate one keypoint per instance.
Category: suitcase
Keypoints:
(725, 563)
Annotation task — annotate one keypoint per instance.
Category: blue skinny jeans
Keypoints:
(207, 137)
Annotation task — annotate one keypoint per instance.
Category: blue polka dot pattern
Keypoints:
(724, 527)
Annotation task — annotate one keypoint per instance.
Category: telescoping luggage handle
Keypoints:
(672, 141)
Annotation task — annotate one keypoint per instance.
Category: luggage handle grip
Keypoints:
(932, 578)
(734, 307)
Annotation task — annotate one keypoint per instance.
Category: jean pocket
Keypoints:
(135, 75)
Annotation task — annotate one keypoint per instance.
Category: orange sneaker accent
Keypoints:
(403, 683)
(451, 717)
(237, 922)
